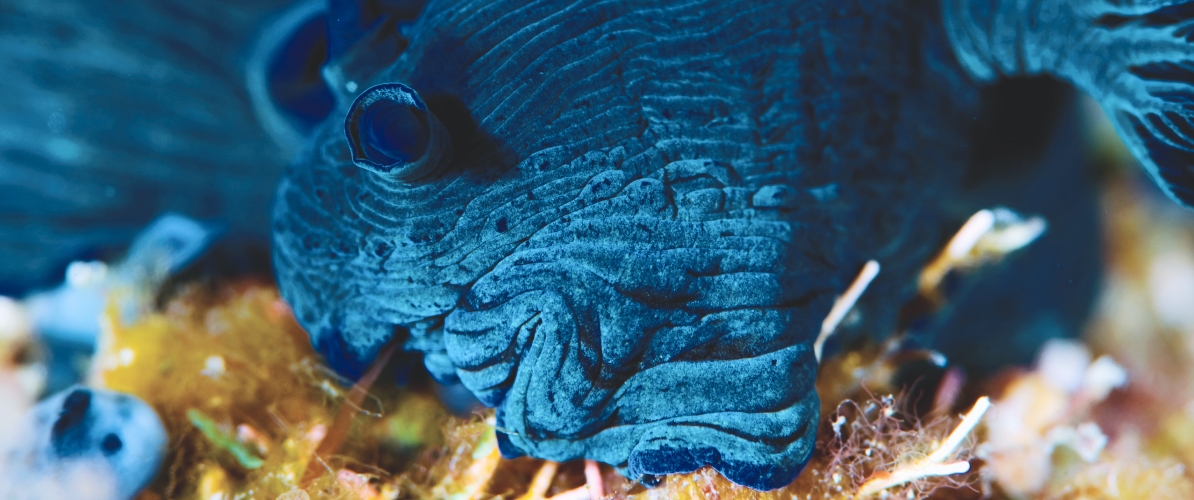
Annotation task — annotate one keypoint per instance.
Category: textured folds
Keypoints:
(1134, 57)
(650, 207)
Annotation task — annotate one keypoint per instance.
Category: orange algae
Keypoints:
(1123, 478)
(854, 444)
(270, 393)
(245, 399)
(247, 402)
(468, 466)
(239, 365)
(461, 469)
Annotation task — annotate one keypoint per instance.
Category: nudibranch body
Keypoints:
(622, 222)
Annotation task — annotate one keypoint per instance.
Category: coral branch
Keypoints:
(958, 247)
(541, 482)
(907, 474)
(844, 303)
(987, 235)
(963, 429)
(580, 493)
(340, 426)
(931, 465)
(593, 480)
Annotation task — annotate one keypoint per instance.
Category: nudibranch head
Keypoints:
(620, 229)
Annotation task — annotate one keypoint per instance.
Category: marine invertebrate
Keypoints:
(649, 206)
(1130, 56)
(92, 443)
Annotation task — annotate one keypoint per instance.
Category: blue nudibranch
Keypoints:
(621, 222)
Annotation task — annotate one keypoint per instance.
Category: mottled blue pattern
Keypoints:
(648, 210)
(84, 430)
(644, 209)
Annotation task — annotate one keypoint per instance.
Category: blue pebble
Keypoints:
(115, 440)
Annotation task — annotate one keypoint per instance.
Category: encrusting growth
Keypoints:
(935, 463)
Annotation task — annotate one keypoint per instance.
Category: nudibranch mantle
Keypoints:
(622, 222)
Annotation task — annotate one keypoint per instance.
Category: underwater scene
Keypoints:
(596, 249)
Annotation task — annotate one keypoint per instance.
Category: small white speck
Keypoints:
(81, 274)
(329, 389)
(351, 86)
(125, 356)
(14, 320)
(213, 367)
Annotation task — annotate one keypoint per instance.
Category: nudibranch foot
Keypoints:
(764, 449)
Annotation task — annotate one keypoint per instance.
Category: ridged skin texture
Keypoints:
(1133, 56)
(650, 206)
(649, 210)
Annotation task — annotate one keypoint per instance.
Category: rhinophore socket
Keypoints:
(391, 132)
